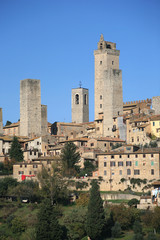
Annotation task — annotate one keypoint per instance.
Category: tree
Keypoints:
(133, 202)
(95, 215)
(70, 158)
(16, 153)
(137, 228)
(116, 230)
(156, 219)
(5, 183)
(125, 216)
(53, 185)
(75, 223)
(18, 226)
(26, 189)
(47, 226)
(151, 236)
(8, 123)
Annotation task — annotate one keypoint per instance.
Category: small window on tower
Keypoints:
(85, 99)
(100, 62)
(112, 62)
(77, 99)
(101, 97)
(100, 105)
(101, 45)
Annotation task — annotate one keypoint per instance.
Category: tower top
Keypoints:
(105, 44)
(101, 38)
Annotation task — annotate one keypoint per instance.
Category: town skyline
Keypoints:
(54, 42)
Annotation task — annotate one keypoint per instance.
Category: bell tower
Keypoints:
(80, 105)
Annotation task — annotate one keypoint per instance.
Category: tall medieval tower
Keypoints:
(1, 122)
(108, 85)
(80, 105)
(30, 108)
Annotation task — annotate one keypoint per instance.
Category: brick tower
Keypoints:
(80, 105)
(108, 85)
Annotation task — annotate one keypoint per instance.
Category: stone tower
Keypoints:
(156, 104)
(80, 105)
(30, 107)
(44, 122)
(1, 122)
(108, 85)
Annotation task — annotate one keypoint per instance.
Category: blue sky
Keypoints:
(54, 41)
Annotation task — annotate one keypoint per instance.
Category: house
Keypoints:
(126, 164)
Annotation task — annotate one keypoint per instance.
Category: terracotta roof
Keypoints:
(156, 183)
(114, 152)
(155, 117)
(143, 125)
(56, 147)
(141, 119)
(145, 197)
(76, 140)
(32, 139)
(109, 139)
(12, 125)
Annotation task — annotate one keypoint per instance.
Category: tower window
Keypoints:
(100, 105)
(101, 45)
(112, 62)
(108, 46)
(85, 99)
(100, 96)
(100, 62)
(77, 99)
(118, 113)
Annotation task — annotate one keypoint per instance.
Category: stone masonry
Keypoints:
(80, 105)
(156, 104)
(1, 122)
(30, 108)
(43, 120)
(108, 85)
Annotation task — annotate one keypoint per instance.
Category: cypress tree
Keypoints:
(95, 215)
(48, 227)
(16, 153)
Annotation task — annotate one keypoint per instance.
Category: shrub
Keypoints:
(116, 230)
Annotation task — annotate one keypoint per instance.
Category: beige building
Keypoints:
(138, 130)
(104, 143)
(12, 129)
(136, 107)
(29, 170)
(127, 164)
(155, 125)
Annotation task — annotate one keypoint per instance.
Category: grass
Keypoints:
(118, 200)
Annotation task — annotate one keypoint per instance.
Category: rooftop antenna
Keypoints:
(80, 84)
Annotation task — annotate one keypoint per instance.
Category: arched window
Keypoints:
(85, 99)
(77, 99)
(101, 45)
